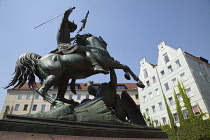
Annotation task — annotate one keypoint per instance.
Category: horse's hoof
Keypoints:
(140, 84)
(127, 76)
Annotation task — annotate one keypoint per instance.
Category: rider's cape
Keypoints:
(65, 48)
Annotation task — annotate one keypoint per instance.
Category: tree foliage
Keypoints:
(191, 128)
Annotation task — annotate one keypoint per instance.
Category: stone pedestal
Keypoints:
(60, 127)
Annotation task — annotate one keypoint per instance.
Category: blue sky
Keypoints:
(132, 29)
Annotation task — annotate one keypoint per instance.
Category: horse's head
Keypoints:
(90, 40)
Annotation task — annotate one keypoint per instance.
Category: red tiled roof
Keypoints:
(128, 86)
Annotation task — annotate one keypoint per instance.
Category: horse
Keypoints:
(55, 69)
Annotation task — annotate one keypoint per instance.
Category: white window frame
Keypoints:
(160, 104)
(170, 69)
(178, 64)
(166, 58)
(171, 101)
(153, 109)
(167, 86)
(151, 95)
(157, 92)
(189, 92)
(17, 106)
(144, 98)
(145, 73)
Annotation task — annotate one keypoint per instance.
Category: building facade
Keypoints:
(27, 101)
(162, 79)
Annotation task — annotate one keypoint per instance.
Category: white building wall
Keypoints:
(180, 73)
(12, 99)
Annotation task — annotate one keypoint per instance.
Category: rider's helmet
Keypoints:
(72, 26)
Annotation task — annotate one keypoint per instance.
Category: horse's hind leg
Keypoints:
(62, 88)
(48, 82)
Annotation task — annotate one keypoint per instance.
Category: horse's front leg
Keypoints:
(127, 70)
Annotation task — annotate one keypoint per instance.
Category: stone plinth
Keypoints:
(59, 127)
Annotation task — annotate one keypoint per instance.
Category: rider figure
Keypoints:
(66, 47)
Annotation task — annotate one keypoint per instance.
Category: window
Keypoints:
(201, 65)
(156, 122)
(20, 96)
(151, 95)
(154, 79)
(34, 107)
(153, 109)
(36, 96)
(171, 101)
(121, 87)
(78, 96)
(148, 84)
(160, 105)
(95, 86)
(51, 107)
(206, 78)
(43, 107)
(17, 107)
(134, 88)
(179, 96)
(170, 69)
(166, 86)
(196, 110)
(164, 120)
(145, 73)
(174, 82)
(185, 114)
(87, 96)
(68, 87)
(157, 92)
(182, 76)
(144, 98)
(76, 86)
(137, 96)
(53, 96)
(70, 96)
(147, 111)
(189, 92)
(176, 118)
(25, 107)
(166, 58)
(177, 63)
(28, 96)
(162, 73)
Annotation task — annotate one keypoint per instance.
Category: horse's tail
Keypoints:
(25, 69)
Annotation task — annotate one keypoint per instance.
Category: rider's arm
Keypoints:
(63, 35)
(66, 16)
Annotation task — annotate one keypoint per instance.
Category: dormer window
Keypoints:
(166, 58)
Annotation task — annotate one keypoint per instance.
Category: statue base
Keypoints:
(61, 127)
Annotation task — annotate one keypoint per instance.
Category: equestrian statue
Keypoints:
(86, 56)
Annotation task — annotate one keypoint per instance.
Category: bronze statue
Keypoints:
(66, 47)
(70, 61)
(124, 106)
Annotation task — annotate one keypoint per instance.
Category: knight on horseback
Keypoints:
(66, 47)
